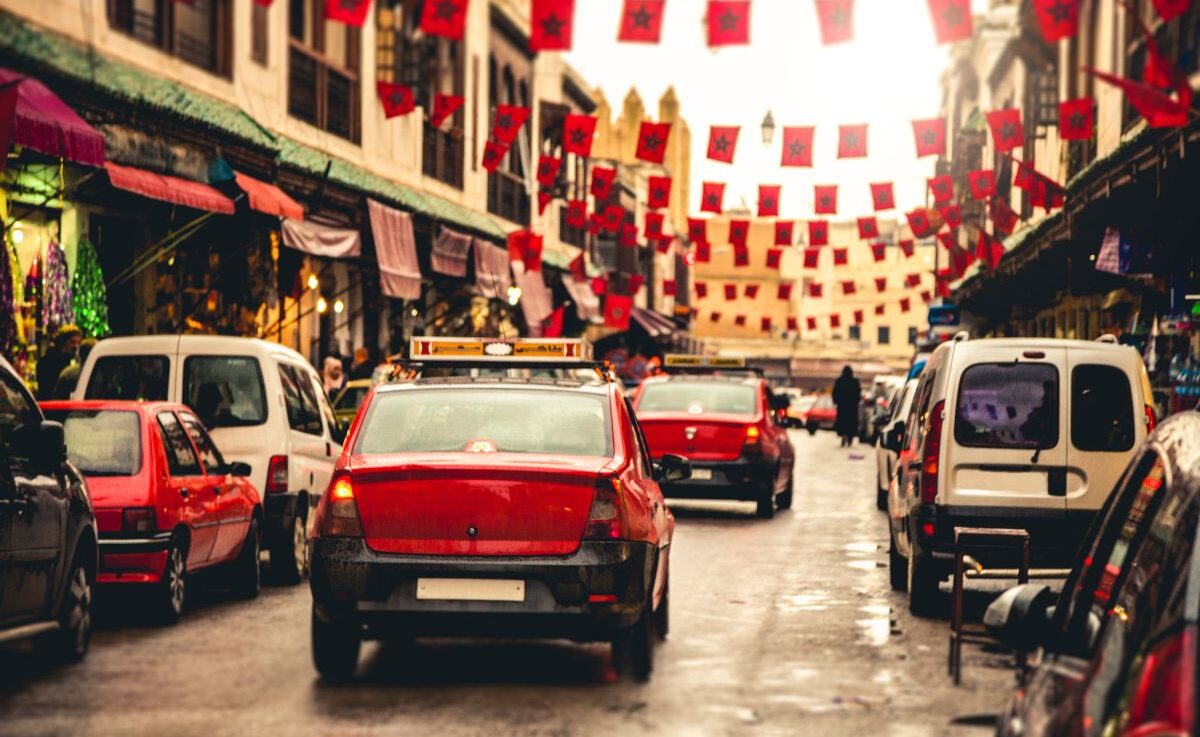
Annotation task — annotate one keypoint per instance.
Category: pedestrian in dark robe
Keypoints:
(847, 393)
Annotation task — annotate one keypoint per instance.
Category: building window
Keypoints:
(198, 32)
(912, 336)
(508, 195)
(259, 27)
(323, 68)
(571, 183)
(856, 332)
(884, 335)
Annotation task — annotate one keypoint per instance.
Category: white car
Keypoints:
(885, 457)
(263, 404)
(1014, 433)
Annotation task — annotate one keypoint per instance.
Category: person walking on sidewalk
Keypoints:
(847, 393)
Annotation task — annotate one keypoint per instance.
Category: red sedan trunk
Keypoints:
(711, 438)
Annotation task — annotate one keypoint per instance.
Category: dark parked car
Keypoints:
(47, 531)
(1118, 646)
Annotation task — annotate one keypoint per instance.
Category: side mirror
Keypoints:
(672, 467)
(51, 450)
(1020, 617)
(338, 432)
(895, 438)
(237, 468)
(780, 402)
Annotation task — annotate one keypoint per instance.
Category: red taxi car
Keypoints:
(727, 422)
(167, 504)
(509, 497)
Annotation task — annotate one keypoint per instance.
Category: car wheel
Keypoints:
(172, 588)
(922, 586)
(633, 648)
(70, 642)
(766, 502)
(785, 499)
(897, 565)
(335, 648)
(662, 615)
(812, 429)
(289, 555)
(245, 578)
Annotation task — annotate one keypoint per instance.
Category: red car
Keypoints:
(167, 504)
(728, 424)
(822, 415)
(505, 504)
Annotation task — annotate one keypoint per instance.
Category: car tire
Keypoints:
(897, 565)
(70, 642)
(784, 501)
(922, 586)
(335, 649)
(766, 502)
(289, 554)
(171, 591)
(633, 647)
(245, 578)
(812, 429)
(662, 615)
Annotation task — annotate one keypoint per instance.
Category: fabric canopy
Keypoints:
(587, 304)
(536, 301)
(43, 122)
(450, 253)
(656, 325)
(321, 240)
(396, 251)
(168, 188)
(492, 275)
(268, 198)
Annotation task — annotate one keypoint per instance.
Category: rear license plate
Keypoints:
(470, 589)
(702, 474)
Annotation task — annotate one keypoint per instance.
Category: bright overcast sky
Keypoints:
(887, 76)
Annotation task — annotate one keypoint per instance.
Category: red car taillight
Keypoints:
(604, 518)
(1164, 703)
(337, 514)
(138, 519)
(277, 475)
(1151, 420)
(931, 455)
(753, 440)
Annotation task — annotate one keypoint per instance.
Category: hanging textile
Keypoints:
(450, 251)
(8, 303)
(536, 301)
(587, 304)
(321, 240)
(57, 306)
(396, 250)
(492, 275)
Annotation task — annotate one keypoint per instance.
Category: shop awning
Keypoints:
(168, 189)
(267, 198)
(656, 325)
(316, 239)
(45, 123)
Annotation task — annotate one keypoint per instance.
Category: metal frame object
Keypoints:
(976, 538)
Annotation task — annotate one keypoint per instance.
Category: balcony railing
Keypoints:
(442, 156)
(507, 197)
(321, 94)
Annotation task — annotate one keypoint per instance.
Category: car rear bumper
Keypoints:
(130, 560)
(351, 583)
(1055, 536)
(740, 480)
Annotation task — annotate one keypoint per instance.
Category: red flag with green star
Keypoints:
(837, 21)
(1007, 132)
(818, 232)
(768, 200)
(951, 20)
(658, 192)
(350, 12)
(868, 228)
(983, 183)
(652, 142)
(602, 181)
(550, 24)
(712, 194)
(443, 107)
(578, 132)
(825, 199)
(1075, 119)
(508, 122)
(784, 232)
(397, 99)
(446, 18)
(641, 21)
(1059, 19)
(852, 141)
(930, 136)
(942, 187)
(882, 196)
(1169, 10)
(797, 146)
(722, 142)
(728, 22)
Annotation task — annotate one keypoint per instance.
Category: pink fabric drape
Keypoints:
(587, 304)
(536, 302)
(450, 253)
(492, 275)
(396, 250)
(321, 240)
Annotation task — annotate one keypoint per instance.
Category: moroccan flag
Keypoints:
(766, 324)
(739, 230)
(811, 322)
(1042, 191)
(983, 183)
(751, 290)
(952, 215)
(768, 200)
(1169, 10)
(948, 239)
(703, 252)
(550, 24)
(741, 256)
(600, 285)
(1059, 19)
(641, 21)
(712, 194)
(907, 246)
(989, 249)
(553, 327)
(739, 320)
(547, 170)
(882, 196)
(715, 317)
(544, 199)
(784, 232)
(663, 243)
(1159, 109)
(825, 199)
(652, 142)
(446, 18)
(841, 256)
(493, 154)
(635, 283)
(668, 287)
(811, 257)
(654, 225)
(1076, 120)
(444, 106)
(728, 22)
(797, 146)
(350, 12)
(868, 228)
(881, 284)
(942, 188)
(602, 182)
(576, 213)
(1003, 216)
(835, 321)
(926, 297)
(508, 122)
(818, 232)
(879, 309)
(629, 231)
(858, 317)
(697, 230)
(578, 132)
(701, 289)
(837, 21)
(658, 192)
(878, 251)
(722, 141)
(793, 325)
(1007, 132)
(905, 304)
(397, 99)
(849, 287)
(951, 20)
(773, 257)
(930, 136)
(815, 289)
(784, 292)
(579, 268)
(852, 141)
(730, 292)
(913, 280)
(918, 222)
(614, 216)
(617, 310)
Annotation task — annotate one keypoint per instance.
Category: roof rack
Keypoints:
(690, 363)
(539, 354)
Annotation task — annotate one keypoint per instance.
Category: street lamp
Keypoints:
(768, 129)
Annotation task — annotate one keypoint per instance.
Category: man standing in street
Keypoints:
(62, 351)
(847, 393)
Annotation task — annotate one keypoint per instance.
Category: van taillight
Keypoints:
(604, 518)
(1164, 704)
(1151, 420)
(277, 475)
(931, 455)
(337, 514)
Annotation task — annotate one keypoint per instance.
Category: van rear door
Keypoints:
(1107, 422)
(1006, 438)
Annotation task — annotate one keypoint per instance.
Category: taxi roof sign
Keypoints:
(681, 360)
(500, 350)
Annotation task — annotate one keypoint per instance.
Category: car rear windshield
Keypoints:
(1008, 405)
(225, 391)
(698, 398)
(1101, 409)
(129, 377)
(487, 420)
(102, 442)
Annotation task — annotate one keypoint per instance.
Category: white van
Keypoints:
(263, 404)
(1015, 433)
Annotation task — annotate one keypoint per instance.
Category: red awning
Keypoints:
(268, 198)
(45, 123)
(168, 189)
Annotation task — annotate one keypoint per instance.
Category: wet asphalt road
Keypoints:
(785, 627)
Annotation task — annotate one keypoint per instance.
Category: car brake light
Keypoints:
(1164, 703)
(277, 475)
(1151, 420)
(337, 514)
(932, 455)
(604, 517)
(138, 519)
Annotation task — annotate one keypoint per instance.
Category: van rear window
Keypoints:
(1008, 405)
(129, 377)
(225, 391)
(1101, 409)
